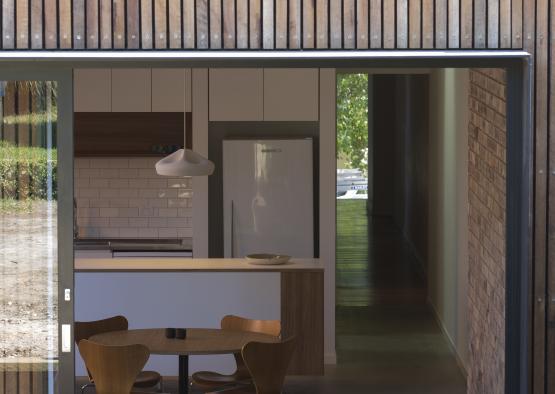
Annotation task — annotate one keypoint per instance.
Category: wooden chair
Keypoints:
(267, 364)
(211, 380)
(113, 368)
(85, 330)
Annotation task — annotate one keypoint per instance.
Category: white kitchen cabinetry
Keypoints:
(131, 90)
(171, 90)
(92, 90)
(236, 94)
(291, 94)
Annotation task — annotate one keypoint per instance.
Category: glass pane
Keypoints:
(28, 236)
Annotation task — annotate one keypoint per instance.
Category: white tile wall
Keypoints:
(125, 198)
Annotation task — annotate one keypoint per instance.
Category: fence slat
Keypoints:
(335, 24)
(202, 24)
(189, 24)
(255, 24)
(493, 24)
(229, 24)
(281, 25)
(268, 24)
(349, 35)
(147, 34)
(308, 24)
(516, 24)
(480, 23)
(64, 22)
(294, 24)
(174, 24)
(22, 24)
(215, 24)
(322, 17)
(118, 22)
(106, 24)
(160, 24)
(91, 29)
(402, 24)
(388, 27)
(415, 23)
(50, 24)
(441, 24)
(375, 23)
(242, 24)
(453, 33)
(362, 24)
(133, 24)
(466, 23)
(427, 24)
(505, 23)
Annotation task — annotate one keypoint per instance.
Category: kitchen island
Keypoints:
(190, 292)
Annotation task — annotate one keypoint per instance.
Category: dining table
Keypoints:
(198, 341)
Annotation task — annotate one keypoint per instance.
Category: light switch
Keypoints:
(67, 295)
(66, 338)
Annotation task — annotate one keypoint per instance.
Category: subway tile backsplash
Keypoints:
(125, 198)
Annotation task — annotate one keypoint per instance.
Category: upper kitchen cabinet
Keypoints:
(236, 94)
(131, 90)
(171, 90)
(291, 94)
(92, 90)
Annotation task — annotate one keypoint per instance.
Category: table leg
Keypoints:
(183, 374)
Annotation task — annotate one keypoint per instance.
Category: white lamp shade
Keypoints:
(184, 162)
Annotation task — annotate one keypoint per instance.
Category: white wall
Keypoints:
(448, 205)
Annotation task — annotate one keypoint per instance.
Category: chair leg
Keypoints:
(83, 387)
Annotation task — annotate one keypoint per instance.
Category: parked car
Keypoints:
(351, 184)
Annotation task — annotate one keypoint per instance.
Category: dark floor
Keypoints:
(388, 341)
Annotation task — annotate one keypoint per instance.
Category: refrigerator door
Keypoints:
(268, 197)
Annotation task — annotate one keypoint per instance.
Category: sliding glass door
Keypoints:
(36, 265)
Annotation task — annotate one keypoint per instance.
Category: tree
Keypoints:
(352, 120)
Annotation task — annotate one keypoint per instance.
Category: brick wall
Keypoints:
(125, 198)
(487, 131)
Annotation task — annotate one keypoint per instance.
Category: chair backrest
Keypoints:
(270, 327)
(86, 329)
(113, 368)
(268, 363)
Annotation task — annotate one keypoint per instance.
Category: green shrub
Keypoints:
(24, 172)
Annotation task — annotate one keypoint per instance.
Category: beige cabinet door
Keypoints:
(291, 94)
(236, 94)
(171, 90)
(131, 90)
(92, 90)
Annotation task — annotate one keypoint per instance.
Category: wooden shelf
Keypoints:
(105, 134)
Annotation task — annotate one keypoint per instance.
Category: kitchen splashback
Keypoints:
(125, 198)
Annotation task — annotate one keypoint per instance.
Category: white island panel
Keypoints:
(176, 299)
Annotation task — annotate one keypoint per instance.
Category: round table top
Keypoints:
(198, 341)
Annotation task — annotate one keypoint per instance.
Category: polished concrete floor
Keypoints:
(388, 341)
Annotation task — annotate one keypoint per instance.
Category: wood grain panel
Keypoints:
(189, 23)
(255, 24)
(78, 16)
(229, 24)
(105, 24)
(375, 23)
(302, 315)
(308, 24)
(415, 23)
(147, 32)
(402, 24)
(133, 24)
(64, 24)
(505, 23)
(428, 24)
(22, 24)
(203, 33)
(92, 28)
(160, 24)
(441, 24)
(336, 23)
(466, 23)
(242, 24)
(50, 24)
(362, 24)
(295, 24)
(281, 24)
(8, 24)
(480, 13)
(322, 17)
(268, 24)
(493, 23)
(215, 24)
(349, 35)
(118, 23)
(388, 27)
(36, 26)
(174, 24)
(453, 24)
(516, 24)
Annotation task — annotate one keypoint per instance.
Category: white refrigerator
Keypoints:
(268, 197)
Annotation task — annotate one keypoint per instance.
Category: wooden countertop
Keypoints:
(175, 264)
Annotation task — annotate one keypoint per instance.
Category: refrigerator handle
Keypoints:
(232, 235)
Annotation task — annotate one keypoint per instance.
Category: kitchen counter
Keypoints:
(173, 264)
